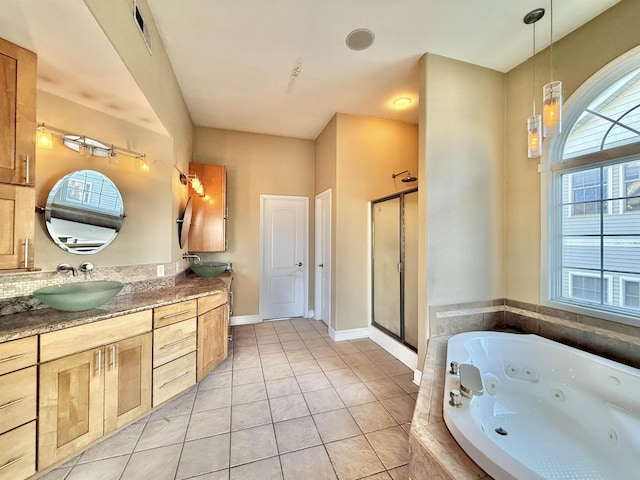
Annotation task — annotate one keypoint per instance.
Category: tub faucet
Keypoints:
(470, 380)
(66, 268)
(191, 255)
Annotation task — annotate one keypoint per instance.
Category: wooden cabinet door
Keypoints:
(17, 114)
(17, 216)
(71, 401)
(213, 327)
(208, 220)
(127, 381)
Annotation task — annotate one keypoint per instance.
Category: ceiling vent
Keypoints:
(360, 39)
(142, 26)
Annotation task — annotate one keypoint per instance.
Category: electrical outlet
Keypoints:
(160, 270)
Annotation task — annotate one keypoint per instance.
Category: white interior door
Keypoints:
(323, 257)
(284, 234)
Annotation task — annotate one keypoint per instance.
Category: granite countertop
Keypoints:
(33, 322)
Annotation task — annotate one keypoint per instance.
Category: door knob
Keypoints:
(299, 264)
(321, 265)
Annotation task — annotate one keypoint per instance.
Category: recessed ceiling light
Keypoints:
(360, 39)
(402, 102)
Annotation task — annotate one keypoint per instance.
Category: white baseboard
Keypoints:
(417, 377)
(244, 320)
(352, 334)
(402, 353)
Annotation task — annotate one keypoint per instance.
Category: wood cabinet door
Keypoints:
(127, 381)
(71, 398)
(18, 114)
(213, 331)
(17, 216)
(208, 220)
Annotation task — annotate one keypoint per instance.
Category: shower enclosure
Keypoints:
(394, 258)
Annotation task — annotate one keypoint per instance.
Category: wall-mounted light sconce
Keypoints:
(193, 180)
(43, 138)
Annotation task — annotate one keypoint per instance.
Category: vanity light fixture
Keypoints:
(402, 102)
(551, 93)
(534, 122)
(87, 147)
(193, 180)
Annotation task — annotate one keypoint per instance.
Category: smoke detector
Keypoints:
(360, 39)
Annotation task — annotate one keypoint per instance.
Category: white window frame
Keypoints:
(622, 287)
(609, 195)
(549, 169)
(581, 273)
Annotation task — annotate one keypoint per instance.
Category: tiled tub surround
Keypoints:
(433, 449)
(185, 287)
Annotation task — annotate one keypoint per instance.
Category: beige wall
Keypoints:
(462, 138)
(368, 151)
(325, 178)
(155, 77)
(256, 165)
(576, 58)
(148, 229)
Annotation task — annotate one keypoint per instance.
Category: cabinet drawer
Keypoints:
(18, 453)
(210, 302)
(17, 398)
(18, 354)
(78, 339)
(173, 341)
(173, 313)
(173, 378)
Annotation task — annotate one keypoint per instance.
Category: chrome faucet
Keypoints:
(87, 267)
(470, 380)
(191, 255)
(66, 268)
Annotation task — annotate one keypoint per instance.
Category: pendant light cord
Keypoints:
(551, 36)
(533, 69)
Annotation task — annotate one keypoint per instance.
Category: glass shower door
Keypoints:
(394, 266)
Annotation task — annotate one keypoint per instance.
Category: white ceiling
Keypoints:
(233, 58)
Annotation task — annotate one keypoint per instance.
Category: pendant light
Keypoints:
(552, 93)
(534, 122)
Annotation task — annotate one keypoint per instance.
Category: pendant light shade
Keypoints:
(534, 136)
(552, 108)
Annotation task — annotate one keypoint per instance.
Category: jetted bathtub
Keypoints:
(547, 411)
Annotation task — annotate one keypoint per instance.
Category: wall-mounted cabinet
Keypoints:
(17, 155)
(209, 217)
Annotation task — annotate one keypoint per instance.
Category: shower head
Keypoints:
(406, 179)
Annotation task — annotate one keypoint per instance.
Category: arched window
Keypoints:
(594, 200)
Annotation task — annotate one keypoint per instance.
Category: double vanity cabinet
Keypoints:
(62, 390)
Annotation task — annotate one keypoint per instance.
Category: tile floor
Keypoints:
(288, 403)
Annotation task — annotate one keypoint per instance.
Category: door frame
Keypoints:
(319, 233)
(305, 261)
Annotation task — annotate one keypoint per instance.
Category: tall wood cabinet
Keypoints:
(208, 220)
(17, 155)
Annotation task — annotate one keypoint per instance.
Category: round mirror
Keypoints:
(84, 212)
